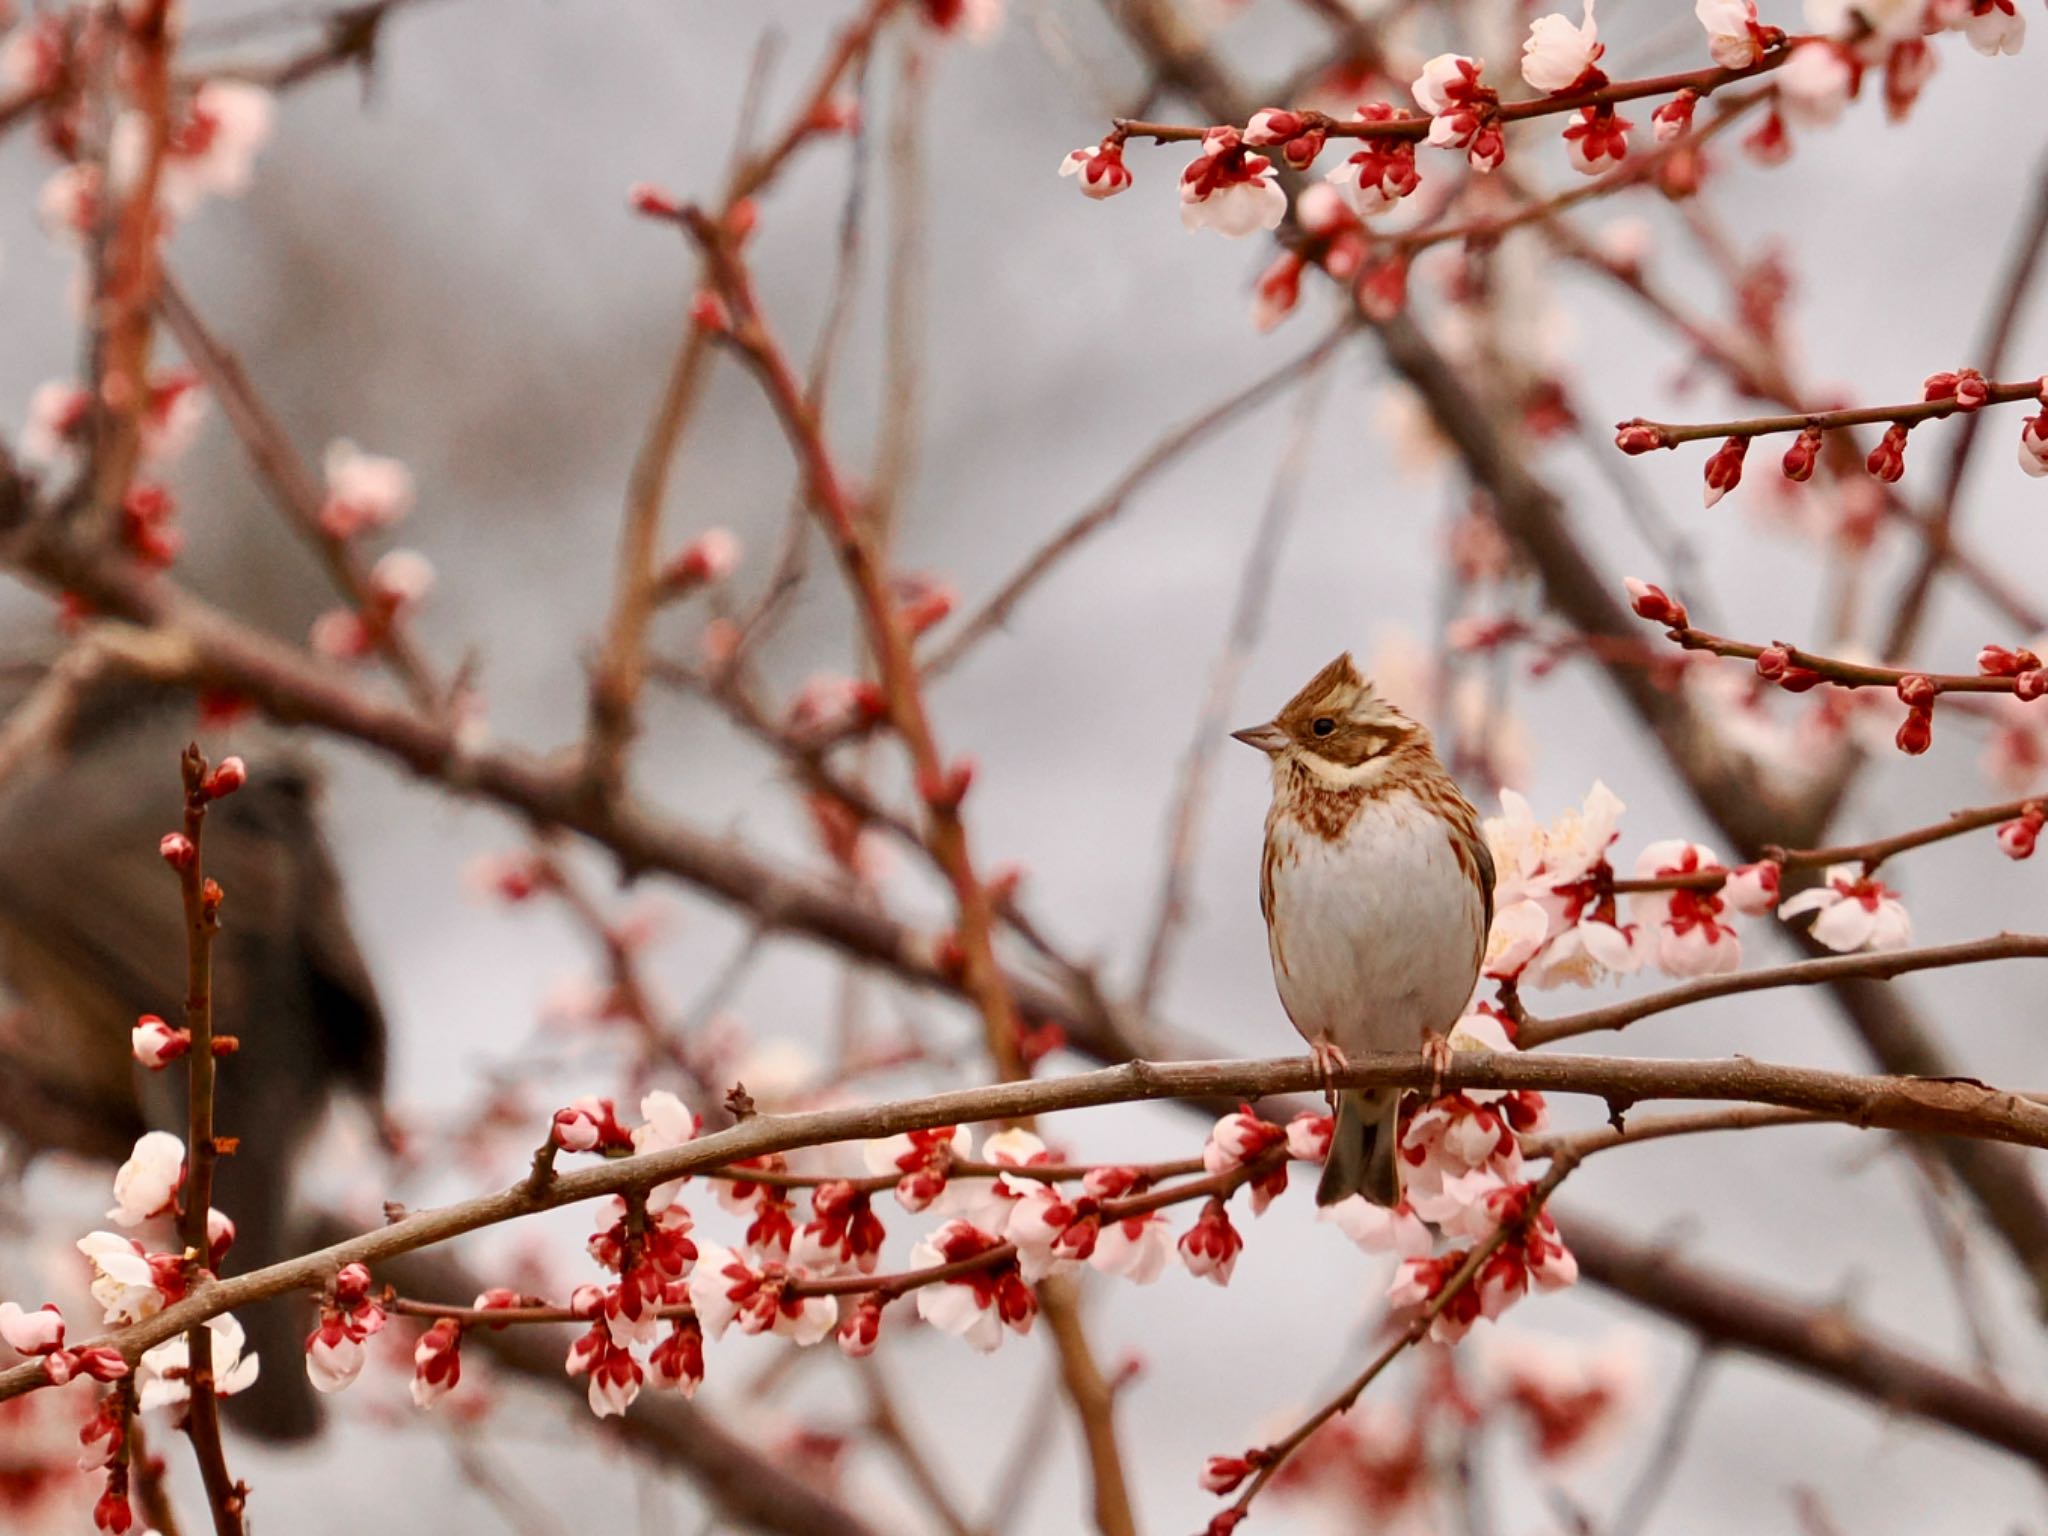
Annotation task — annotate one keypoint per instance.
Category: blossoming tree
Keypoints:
(1386, 192)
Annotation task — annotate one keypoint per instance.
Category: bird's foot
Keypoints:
(1330, 1060)
(1437, 1051)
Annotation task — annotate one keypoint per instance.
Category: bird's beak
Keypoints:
(1268, 738)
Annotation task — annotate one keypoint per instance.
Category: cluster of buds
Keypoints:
(1464, 114)
(1774, 664)
(2029, 679)
(349, 1319)
(1298, 136)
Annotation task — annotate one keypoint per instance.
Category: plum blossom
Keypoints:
(1210, 1247)
(1685, 925)
(1816, 84)
(365, 491)
(1994, 27)
(155, 1044)
(2034, 445)
(1856, 911)
(335, 1350)
(1556, 55)
(1596, 140)
(1572, 1398)
(1136, 1248)
(1463, 113)
(1380, 1229)
(726, 1289)
(666, 1123)
(1098, 170)
(1735, 40)
(978, 1305)
(1563, 870)
(1752, 890)
(1240, 1138)
(1230, 190)
(31, 1333)
(1381, 173)
(212, 152)
(921, 1159)
(146, 1184)
(125, 1282)
(436, 1363)
(161, 1374)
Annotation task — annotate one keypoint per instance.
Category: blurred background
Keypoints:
(439, 264)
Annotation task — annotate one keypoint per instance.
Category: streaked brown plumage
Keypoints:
(1377, 890)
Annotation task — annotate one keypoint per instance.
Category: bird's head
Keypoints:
(1337, 728)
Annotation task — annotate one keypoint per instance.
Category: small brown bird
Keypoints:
(1378, 892)
(91, 936)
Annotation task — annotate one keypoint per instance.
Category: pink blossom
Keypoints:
(1463, 113)
(1098, 170)
(155, 1045)
(1230, 190)
(1416, 1284)
(1378, 1228)
(437, 1363)
(1380, 174)
(334, 1356)
(125, 1282)
(212, 151)
(921, 1159)
(146, 1184)
(1690, 937)
(1596, 140)
(1752, 889)
(726, 1289)
(1856, 912)
(1556, 55)
(979, 1304)
(589, 1125)
(1734, 38)
(40, 1332)
(365, 491)
(1239, 1138)
(401, 578)
(1051, 1232)
(1815, 84)
(1573, 1399)
(1308, 1136)
(1994, 27)
(1210, 1247)
(709, 558)
(2034, 445)
(161, 1374)
(1135, 1248)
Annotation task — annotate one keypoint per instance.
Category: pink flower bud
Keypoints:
(177, 851)
(1674, 117)
(1638, 436)
(1222, 1474)
(220, 1237)
(2034, 445)
(437, 1362)
(1887, 460)
(2018, 837)
(228, 776)
(710, 557)
(351, 1286)
(1724, 469)
(155, 1044)
(1772, 662)
(1997, 661)
(1800, 457)
(2029, 686)
(1752, 890)
(1653, 603)
(1916, 732)
(1966, 386)
(1917, 691)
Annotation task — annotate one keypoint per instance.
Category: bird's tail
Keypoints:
(1362, 1157)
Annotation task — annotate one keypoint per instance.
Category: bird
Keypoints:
(1377, 889)
(92, 936)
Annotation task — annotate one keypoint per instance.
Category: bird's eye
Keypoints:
(1323, 725)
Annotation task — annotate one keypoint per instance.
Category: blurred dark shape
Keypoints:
(92, 936)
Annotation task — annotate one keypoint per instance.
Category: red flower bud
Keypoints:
(1772, 663)
(1997, 661)
(648, 199)
(1800, 457)
(708, 311)
(2030, 685)
(1637, 436)
(1653, 603)
(228, 776)
(1966, 386)
(1917, 691)
(1724, 469)
(177, 851)
(1916, 732)
(1887, 460)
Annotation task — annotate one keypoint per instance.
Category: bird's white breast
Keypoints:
(1375, 936)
